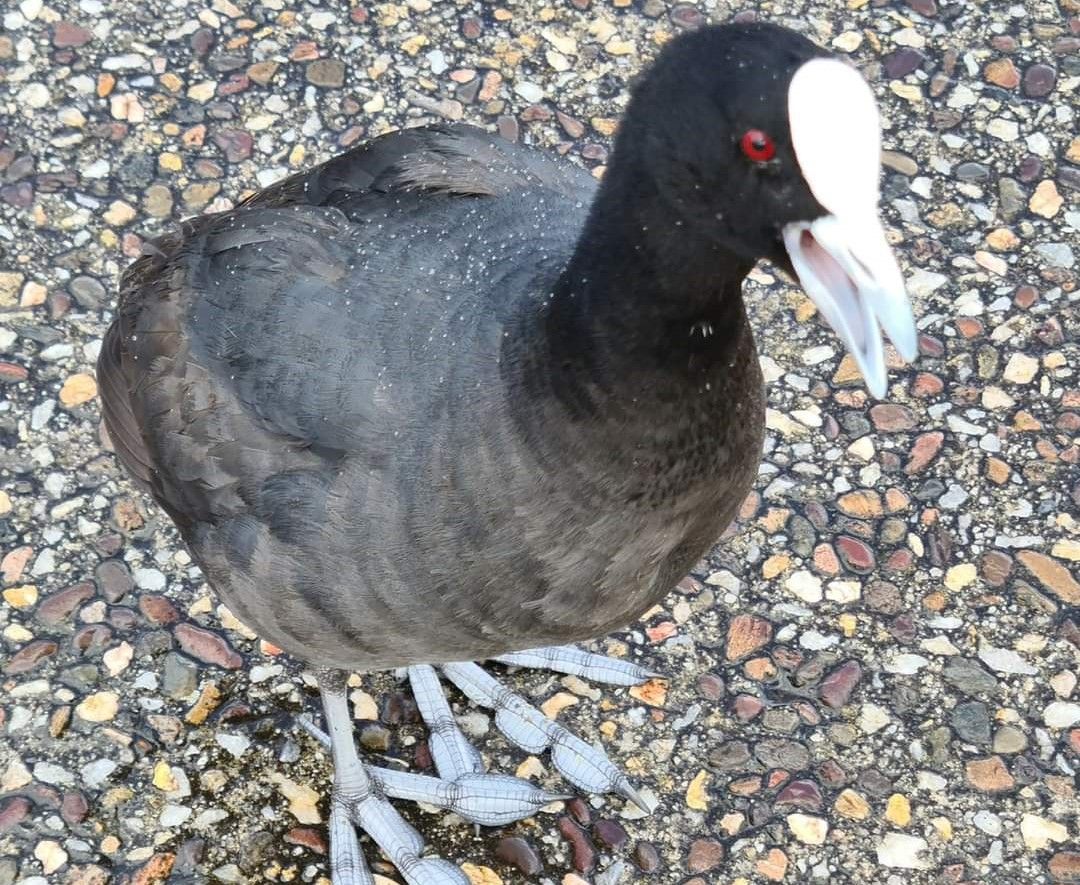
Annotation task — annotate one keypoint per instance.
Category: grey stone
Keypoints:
(970, 677)
(776, 753)
(971, 722)
(1010, 739)
(180, 676)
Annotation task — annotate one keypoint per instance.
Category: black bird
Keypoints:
(444, 398)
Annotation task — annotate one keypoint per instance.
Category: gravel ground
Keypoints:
(874, 679)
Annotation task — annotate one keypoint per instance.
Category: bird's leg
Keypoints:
(578, 662)
(358, 799)
(586, 767)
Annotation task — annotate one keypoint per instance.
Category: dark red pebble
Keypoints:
(30, 656)
(520, 854)
(584, 854)
(610, 834)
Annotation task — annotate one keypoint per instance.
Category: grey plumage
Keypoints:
(396, 422)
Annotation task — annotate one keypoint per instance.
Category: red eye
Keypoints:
(758, 146)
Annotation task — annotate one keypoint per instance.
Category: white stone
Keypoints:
(814, 355)
(49, 773)
(988, 822)
(924, 282)
(1003, 660)
(235, 744)
(1005, 130)
(843, 592)
(939, 645)
(873, 718)
(816, 641)
(931, 781)
(51, 855)
(909, 37)
(529, 91)
(1038, 832)
(149, 579)
(862, 448)
(1059, 714)
(94, 774)
(174, 815)
(1021, 368)
(34, 95)
(905, 664)
(805, 585)
(15, 776)
(808, 829)
(901, 851)
(209, 817)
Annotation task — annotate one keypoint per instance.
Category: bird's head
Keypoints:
(771, 148)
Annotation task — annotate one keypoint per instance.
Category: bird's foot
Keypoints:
(365, 808)
(583, 765)
(491, 800)
(360, 800)
(361, 791)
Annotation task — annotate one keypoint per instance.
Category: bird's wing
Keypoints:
(257, 341)
(459, 159)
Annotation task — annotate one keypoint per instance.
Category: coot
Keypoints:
(444, 398)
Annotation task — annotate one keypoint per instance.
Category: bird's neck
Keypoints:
(644, 295)
(640, 369)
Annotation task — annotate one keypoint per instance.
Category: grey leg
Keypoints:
(359, 799)
(586, 767)
(489, 799)
(576, 662)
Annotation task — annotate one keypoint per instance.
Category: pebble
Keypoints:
(898, 810)
(746, 634)
(1003, 660)
(180, 676)
(696, 795)
(303, 800)
(520, 854)
(30, 656)
(1039, 81)
(326, 72)
(808, 829)
(101, 706)
(174, 815)
(582, 850)
(94, 774)
(901, 851)
(1009, 739)
(837, 687)
(705, 855)
(13, 811)
(1053, 576)
(610, 834)
(235, 744)
(971, 722)
(646, 857)
(851, 805)
(1061, 714)
(969, 677)
(1038, 832)
(989, 775)
(78, 389)
(208, 647)
(805, 585)
(51, 855)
